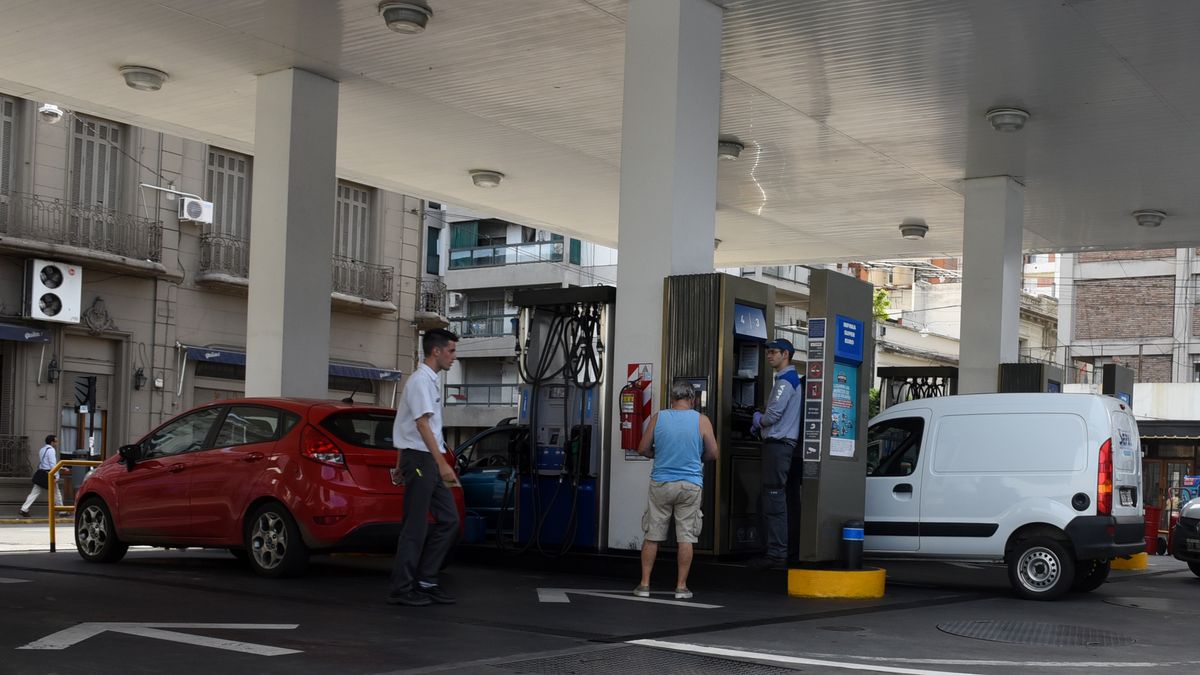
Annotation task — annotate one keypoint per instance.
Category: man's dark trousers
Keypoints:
(776, 464)
(420, 551)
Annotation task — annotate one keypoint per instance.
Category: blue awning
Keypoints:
(17, 333)
(236, 358)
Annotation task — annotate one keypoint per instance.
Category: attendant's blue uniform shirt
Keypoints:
(781, 421)
(678, 447)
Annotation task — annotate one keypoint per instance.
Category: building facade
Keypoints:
(163, 298)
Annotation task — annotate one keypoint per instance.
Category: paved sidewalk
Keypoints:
(31, 535)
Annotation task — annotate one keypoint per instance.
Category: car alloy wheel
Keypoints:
(95, 535)
(273, 542)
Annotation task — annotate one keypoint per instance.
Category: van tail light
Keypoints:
(1104, 480)
(317, 447)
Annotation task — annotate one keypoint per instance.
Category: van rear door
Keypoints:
(1127, 464)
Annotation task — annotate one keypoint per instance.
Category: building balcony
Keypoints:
(479, 405)
(355, 285)
(485, 336)
(538, 263)
(430, 311)
(93, 236)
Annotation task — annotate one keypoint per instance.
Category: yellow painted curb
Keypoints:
(1137, 561)
(864, 583)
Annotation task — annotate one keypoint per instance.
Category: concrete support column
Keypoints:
(991, 296)
(670, 125)
(291, 235)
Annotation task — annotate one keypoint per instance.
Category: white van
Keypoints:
(1047, 483)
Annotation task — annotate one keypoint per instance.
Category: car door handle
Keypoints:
(175, 468)
(253, 457)
(903, 488)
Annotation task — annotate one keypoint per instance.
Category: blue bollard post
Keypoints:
(852, 544)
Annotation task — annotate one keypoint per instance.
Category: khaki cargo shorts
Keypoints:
(680, 498)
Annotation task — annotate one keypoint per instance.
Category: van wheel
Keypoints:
(1040, 569)
(273, 542)
(1195, 568)
(1090, 575)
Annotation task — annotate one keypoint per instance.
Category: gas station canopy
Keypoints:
(855, 115)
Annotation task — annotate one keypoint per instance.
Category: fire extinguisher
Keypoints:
(631, 414)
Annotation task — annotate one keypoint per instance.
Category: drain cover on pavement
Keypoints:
(1029, 633)
(629, 659)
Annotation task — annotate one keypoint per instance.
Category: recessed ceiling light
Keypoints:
(1149, 217)
(143, 78)
(729, 149)
(1007, 120)
(486, 178)
(913, 229)
(405, 17)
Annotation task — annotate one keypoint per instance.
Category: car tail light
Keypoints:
(317, 447)
(1104, 480)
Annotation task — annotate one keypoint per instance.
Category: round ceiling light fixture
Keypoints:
(1007, 120)
(409, 18)
(729, 149)
(914, 229)
(143, 78)
(486, 178)
(1149, 217)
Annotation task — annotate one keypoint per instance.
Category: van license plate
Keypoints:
(1126, 497)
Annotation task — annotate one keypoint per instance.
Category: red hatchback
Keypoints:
(270, 479)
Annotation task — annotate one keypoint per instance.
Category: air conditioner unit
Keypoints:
(195, 210)
(53, 291)
(455, 299)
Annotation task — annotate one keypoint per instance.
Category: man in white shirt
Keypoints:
(417, 436)
(47, 458)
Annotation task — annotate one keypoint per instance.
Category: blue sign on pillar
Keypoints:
(848, 340)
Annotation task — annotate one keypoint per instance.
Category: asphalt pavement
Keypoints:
(198, 611)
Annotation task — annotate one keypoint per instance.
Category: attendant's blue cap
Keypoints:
(782, 344)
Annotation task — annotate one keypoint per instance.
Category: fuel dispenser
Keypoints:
(715, 327)
(561, 338)
(833, 444)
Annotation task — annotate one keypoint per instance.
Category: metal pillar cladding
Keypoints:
(715, 327)
(563, 336)
(833, 441)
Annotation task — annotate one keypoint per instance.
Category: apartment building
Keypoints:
(162, 303)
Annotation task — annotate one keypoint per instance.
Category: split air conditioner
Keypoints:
(195, 210)
(53, 291)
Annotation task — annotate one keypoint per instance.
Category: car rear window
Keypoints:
(364, 429)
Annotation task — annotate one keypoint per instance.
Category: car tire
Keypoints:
(1090, 575)
(1162, 545)
(1195, 568)
(96, 534)
(1040, 568)
(273, 544)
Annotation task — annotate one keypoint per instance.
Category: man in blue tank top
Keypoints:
(680, 440)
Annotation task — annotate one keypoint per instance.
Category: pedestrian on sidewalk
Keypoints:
(47, 458)
(679, 439)
(427, 477)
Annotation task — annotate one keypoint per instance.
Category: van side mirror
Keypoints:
(130, 454)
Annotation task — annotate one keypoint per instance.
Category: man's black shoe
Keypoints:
(409, 598)
(437, 594)
(766, 562)
(24, 514)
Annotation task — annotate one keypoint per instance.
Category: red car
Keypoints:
(270, 479)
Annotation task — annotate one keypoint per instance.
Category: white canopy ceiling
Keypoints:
(856, 114)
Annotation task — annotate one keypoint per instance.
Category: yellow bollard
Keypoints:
(1137, 561)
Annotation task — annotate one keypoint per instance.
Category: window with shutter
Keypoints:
(8, 123)
(225, 244)
(352, 222)
(95, 181)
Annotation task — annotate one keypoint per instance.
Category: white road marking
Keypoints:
(6, 580)
(868, 662)
(560, 595)
(790, 660)
(76, 634)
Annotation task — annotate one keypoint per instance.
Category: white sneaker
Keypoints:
(683, 594)
(642, 591)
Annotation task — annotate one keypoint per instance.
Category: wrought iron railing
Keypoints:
(431, 297)
(222, 254)
(14, 456)
(481, 394)
(506, 254)
(95, 228)
(492, 325)
(362, 279)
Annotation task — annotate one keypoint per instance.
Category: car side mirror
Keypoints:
(130, 454)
